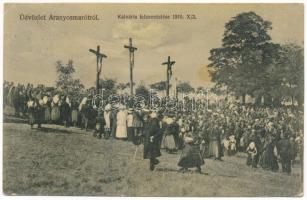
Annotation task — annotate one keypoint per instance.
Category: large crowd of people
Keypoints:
(268, 135)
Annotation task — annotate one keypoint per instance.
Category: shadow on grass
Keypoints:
(52, 130)
(13, 119)
(193, 172)
(178, 171)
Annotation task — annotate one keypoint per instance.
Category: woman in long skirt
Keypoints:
(55, 110)
(269, 156)
(190, 156)
(74, 117)
(65, 111)
(74, 112)
(31, 111)
(47, 111)
(215, 148)
(169, 141)
(121, 123)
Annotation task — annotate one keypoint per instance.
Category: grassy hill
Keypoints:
(68, 161)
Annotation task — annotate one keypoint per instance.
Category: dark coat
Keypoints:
(215, 135)
(137, 119)
(284, 148)
(152, 148)
(39, 114)
(113, 121)
(269, 160)
(65, 111)
(190, 156)
(36, 113)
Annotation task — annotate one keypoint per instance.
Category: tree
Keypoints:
(128, 84)
(108, 85)
(184, 87)
(200, 89)
(160, 86)
(65, 81)
(122, 86)
(142, 91)
(246, 56)
(291, 70)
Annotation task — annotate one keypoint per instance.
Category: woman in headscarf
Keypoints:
(107, 119)
(215, 148)
(113, 120)
(269, 156)
(74, 113)
(55, 110)
(169, 140)
(83, 109)
(39, 112)
(191, 155)
(251, 155)
(46, 106)
(183, 128)
(65, 111)
(232, 145)
(31, 104)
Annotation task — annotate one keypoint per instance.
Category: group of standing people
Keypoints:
(267, 135)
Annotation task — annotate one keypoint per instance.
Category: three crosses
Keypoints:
(131, 49)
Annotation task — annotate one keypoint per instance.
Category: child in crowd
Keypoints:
(251, 155)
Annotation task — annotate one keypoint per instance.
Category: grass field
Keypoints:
(60, 161)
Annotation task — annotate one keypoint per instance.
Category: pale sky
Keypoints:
(31, 48)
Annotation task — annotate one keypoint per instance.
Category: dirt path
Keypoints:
(61, 161)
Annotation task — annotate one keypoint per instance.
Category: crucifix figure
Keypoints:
(99, 57)
(131, 60)
(169, 73)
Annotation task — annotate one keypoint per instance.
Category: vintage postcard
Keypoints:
(162, 100)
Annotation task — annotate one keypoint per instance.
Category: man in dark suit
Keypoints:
(151, 142)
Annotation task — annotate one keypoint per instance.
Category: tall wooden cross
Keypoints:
(169, 73)
(131, 61)
(99, 57)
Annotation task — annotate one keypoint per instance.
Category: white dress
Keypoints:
(121, 129)
(106, 115)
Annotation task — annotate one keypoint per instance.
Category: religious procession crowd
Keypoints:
(267, 135)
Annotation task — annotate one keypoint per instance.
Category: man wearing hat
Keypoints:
(151, 142)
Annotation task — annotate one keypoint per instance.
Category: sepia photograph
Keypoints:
(153, 99)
